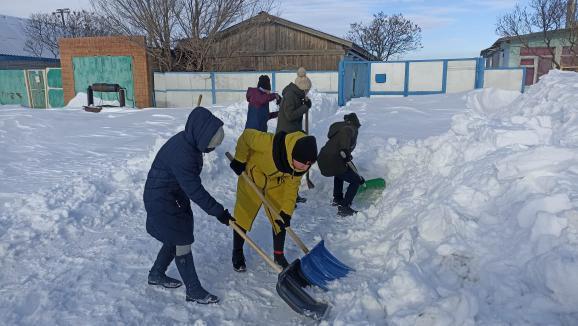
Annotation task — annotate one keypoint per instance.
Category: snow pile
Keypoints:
(81, 99)
(479, 224)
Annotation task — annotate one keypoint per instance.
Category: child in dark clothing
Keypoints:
(259, 98)
(334, 158)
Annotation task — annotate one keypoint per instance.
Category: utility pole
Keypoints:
(61, 12)
(571, 14)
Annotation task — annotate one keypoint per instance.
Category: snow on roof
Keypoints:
(12, 36)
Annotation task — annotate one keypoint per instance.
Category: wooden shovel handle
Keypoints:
(252, 243)
(270, 207)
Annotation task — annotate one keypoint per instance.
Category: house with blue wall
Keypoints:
(538, 52)
(12, 47)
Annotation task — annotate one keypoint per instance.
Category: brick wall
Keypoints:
(108, 46)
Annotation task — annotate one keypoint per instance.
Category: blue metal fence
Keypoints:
(355, 78)
(214, 87)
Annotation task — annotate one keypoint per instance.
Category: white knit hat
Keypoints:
(302, 81)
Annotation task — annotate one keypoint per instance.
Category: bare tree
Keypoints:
(180, 34)
(43, 30)
(541, 19)
(155, 19)
(386, 36)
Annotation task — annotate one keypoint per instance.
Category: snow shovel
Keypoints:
(377, 183)
(310, 184)
(318, 265)
(290, 283)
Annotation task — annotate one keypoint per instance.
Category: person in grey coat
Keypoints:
(294, 104)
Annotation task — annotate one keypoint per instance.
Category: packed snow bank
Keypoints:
(478, 225)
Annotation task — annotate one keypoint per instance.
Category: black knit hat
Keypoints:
(305, 150)
(352, 119)
(264, 82)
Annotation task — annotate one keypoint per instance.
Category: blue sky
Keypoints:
(451, 28)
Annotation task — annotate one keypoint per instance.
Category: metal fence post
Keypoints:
(445, 76)
(406, 80)
(341, 84)
(213, 89)
(479, 73)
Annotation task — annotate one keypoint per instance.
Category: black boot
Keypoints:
(157, 273)
(336, 201)
(301, 199)
(280, 259)
(239, 261)
(238, 257)
(278, 247)
(195, 292)
(345, 211)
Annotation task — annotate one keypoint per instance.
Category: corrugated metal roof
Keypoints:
(13, 37)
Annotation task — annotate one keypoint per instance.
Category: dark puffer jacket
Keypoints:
(342, 137)
(174, 178)
(291, 110)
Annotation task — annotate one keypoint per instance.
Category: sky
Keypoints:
(450, 28)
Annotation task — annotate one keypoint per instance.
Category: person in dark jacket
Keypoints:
(259, 98)
(295, 103)
(172, 182)
(332, 163)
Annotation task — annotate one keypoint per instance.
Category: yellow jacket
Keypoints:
(255, 148)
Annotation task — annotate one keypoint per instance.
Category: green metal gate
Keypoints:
(37, 88)
(13, 87)
(104, 69)
(54, 87)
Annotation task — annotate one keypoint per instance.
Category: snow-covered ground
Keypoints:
(478, 224)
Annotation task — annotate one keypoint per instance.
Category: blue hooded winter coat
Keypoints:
(174, 178)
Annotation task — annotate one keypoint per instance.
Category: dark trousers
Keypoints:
(354, 182)
(278, 242)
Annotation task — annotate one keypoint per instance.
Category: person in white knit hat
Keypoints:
(295, 103)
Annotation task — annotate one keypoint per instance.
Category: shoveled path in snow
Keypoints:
(73, 247)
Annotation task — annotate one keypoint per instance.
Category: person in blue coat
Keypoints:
(172, 183)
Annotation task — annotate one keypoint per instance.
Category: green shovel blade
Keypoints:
(377, 183)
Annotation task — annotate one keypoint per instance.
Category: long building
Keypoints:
(12, 47)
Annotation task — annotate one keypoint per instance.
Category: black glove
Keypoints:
(273, 115)
(307, 102)
(225, 217)
(346, 156)
(286, 220)
(279, 98)
(361, 180)
(237, 166)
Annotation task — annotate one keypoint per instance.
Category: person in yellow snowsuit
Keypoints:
(276, 164)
